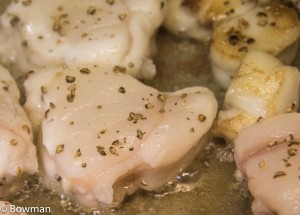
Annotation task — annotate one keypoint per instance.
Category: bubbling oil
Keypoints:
(207, 186)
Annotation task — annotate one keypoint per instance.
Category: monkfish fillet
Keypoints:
(104, 134)
(41, 34)
(194, 18)
(268, 154)
(17, 154)
(273, 28)
(262, 87)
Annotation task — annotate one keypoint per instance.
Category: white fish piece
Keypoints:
(105, 134)
(194, 18)
(267, 153)
(274, 29)
(80, 32)
(18, 153)
(262, 87)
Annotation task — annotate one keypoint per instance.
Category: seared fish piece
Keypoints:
(268, 155)
(17, 154)
(274, 29)
(41, 34)
(194, 18)
(262, 87)
(104, 134)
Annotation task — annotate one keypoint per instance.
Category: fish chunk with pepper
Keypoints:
(41, 34)
(104, 134)
(267, 153)
(18, 156)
